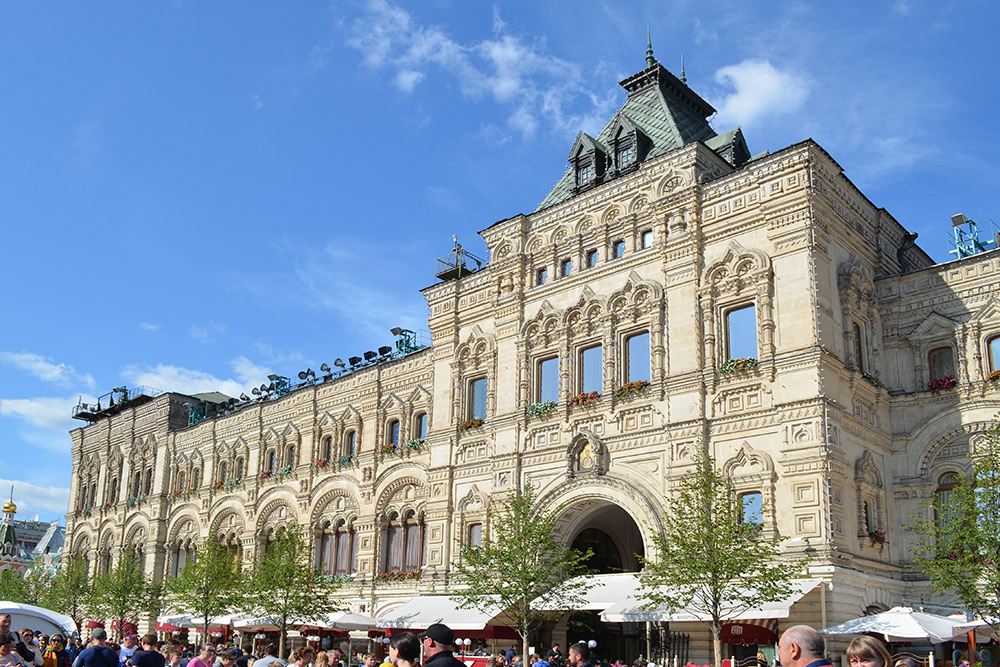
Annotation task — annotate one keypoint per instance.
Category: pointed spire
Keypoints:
(650, 60)
(683, 76)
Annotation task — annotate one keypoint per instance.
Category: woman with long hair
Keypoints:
(865, 651)
(301, 656)
(404, 650)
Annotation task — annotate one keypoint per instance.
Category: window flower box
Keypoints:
(346, 459)
(994, 378)
(321, 463)
(415, 444)
(267, 474)
(877, 538)
(631, 389)
(585, 398)
(471, 424)
(942, 384)
(218, 485)
(738, 366)
(234, 482)
(541, 410)
(284, 471)
(85, 513)
(389, 577)
(752, 529)
(871, 379)
(389, 448)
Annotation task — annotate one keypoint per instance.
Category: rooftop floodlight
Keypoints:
(395, 331)
(244, 397)
(369, 355)
(354, 360)
(325, 367)
(270, 387)
(272, 377)
(255, 391)
(385, 350)
(339, 363)
(263, 389)
(303, 375)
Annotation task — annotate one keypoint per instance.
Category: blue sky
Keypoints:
(195, 194)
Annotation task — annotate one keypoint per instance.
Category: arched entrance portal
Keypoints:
(613, 537)
(616, 542)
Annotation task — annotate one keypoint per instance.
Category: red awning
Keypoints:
(745, 633)
(90, 625)
(169, 627)
(128, 625)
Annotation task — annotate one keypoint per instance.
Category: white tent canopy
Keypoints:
(420, 612)
(900, 624)
(605, 591)
(632, 608)
(38, 618)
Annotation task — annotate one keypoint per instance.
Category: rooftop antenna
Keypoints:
(650, 60)
(683, 76)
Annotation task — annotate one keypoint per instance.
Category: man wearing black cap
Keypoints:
(438, 640)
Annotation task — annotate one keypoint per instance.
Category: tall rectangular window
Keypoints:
(591, 259)
(752, 508)
(994, 348)
(617, 249)
(942, 362)
(565, 267)
(592, 369)
(859, 347)
(647, 238)
(741, 333)
(541, 275)
(477, 399)
(637, 361)
(475, 535)
(548, 380)
(421, 425)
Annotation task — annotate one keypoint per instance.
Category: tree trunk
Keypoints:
(717, 643)
(281, 639)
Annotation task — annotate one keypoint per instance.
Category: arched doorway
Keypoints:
(616, 542)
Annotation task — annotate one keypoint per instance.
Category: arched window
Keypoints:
(941, 361)
(147, 486)
(181, 478)
(136, 484)
(272, 460)
(420, 425)
(404, 543)
(871, 525)
(113, 490)
(392, 433)
(223, 472)
(238, 468)
(349, 443)
(326, 449)
(326, 550)
(196, 479)
(752, 507)
(290, 455)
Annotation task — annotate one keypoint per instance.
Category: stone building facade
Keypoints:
(783, 322)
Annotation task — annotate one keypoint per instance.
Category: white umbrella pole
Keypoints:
(930, 659)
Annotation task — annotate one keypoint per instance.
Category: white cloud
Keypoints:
(189, 381)
(46, 369)
(49, 413)
(207, 331)
(257, 99)
(150, 326)
(407, 80)
(514, 71)
(31, 499)
(761, 91)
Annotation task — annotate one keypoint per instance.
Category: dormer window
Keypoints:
(626, 156)
(587, 159)
(626, 142)
(585, 174)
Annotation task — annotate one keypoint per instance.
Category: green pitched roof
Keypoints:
(662, 107)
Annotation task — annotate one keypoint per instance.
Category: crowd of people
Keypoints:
(799, 646)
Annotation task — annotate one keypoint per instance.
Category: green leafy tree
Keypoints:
(12, 586)
(71, 588)
(122, 594)
(710, 561)
(38, 583)
(519, 561)
(287, 587)
(959, 545)
(209, 585)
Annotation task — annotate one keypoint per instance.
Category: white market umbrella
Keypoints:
(899, 624)
(38, 618)
(984, 631)
(346, 620)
